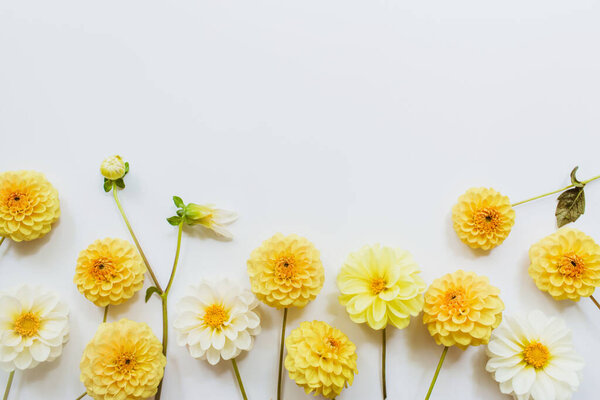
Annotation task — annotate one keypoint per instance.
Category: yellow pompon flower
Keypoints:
(286, 271)
(124, 360)
(28, 205)
(483, 218)
(320, 358)
(380, 285)
(113, 168)
(566, 264)
(109, 271)
(462, 309)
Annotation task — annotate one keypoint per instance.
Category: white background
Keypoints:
(349, 122)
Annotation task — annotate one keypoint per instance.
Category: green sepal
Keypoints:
(180, 213)
(178, 202)
(107, 185)
(120, 183)
(150, 291)
(174, 220)
(126, 169)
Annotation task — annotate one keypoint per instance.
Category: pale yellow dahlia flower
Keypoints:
(109, 271)
(320, 358)
(380, 285)
(286, 271)
(113, 168)
(28, 205)
(483, 218)
(124, 361)
(462, 309)
(566, 264)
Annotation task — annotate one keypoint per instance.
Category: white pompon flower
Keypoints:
(34, 326)
(532, 358)
(217, 320)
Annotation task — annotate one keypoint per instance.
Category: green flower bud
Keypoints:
(113, 168)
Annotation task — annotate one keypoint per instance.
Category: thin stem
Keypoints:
(437, 372)
(82, 396)
(383, 351)
(239, 379)
(137, 244)
(2, 239)
(553, 192)
(105, 314)
(595, 301)
(285, 311)
(166, 292)
(8, 385)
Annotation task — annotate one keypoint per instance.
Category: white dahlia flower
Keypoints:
(34, 325)
(217, 320)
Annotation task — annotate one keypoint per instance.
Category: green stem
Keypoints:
(595, 301)
(137, 244)
(8, 385)
(166, 292)
(383, 351)
(239, 379)
(553, 192)
(2, 239)
(285, 311)
(105, 314)
(82, 396)
(437, 372)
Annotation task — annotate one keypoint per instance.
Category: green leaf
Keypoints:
(574, 180)
(150, 291)
(174, 220)
(120, 183)
(107, 185)
(126, 168)
(180, 213)
(571, 205)
(178, 202)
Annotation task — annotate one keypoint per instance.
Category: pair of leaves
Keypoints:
(571, 203)
(176, 219)
(108, 184)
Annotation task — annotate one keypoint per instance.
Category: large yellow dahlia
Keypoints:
(124, 361)
(380, 284)
(109, 271)
(483, 218)
(462, 309)
(28, 205)
(566, 264)
(286, 271)
(320, 358)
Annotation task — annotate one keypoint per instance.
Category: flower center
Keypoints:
(27, 324)
(215, 316)
(571, 265)
(536, 355)
(487, 219)
(103, 270)
(285, 268)
(455, 300)
(332, 342)
(378, 285)
(125, 363)
(17, 202)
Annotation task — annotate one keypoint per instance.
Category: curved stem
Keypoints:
(595, 301)
(82, 396)
(8, 385)
(105, 314)
(285, 311)
(239, 379)
(553, 192)
(437, 372)
(137, 244)
(2, 239)
(166, 292)
(383, 351)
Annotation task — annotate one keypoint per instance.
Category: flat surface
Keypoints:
(348, 122)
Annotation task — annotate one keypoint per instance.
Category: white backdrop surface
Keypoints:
(348, 122)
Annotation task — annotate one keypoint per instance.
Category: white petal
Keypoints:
(213, 356)
(218, 340)
(505, 374)
(39, 351)
(523, 381)
(543, 387)
(244, 341)
(23, 360)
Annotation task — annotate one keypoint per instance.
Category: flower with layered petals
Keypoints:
(124, 361)
(532, 358)
(566, 264)
(483, 218)
(380, 285)
(320, 358)
(462, 309)
(286, 271)
(109, 271)
(28, 205)
(210, 217)
(34, 326)
(217, 320)
(113, 168)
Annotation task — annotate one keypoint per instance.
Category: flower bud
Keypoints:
(113, 168)
(197, 214)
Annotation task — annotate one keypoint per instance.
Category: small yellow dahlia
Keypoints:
(380, 284)
(113, 168)
(566, 264)
(286, 271)
(124, 361)
(109, 271)
(320, 358)
(462, 309)
(28, 205)
(483, 218)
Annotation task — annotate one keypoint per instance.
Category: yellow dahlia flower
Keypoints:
(109, 271)
(113, 168)
(286, 271)
(462, 309)
(483, 218)
(566, 264)
(124, 361)
(380, 284)
(28, 205)
(320, 358)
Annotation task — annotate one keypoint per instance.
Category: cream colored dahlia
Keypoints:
(28, 205)
(109, 271)
(34, 326)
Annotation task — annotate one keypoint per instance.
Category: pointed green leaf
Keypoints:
(174, 220)
(150, 291)
(120, 183)
(574, 180)
(178, 202)
(107, 185)
(126, 168)
(571, 205)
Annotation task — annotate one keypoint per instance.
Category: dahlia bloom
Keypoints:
(28, 205)
(34, 326)
(210, 217)
(217, 320)
(320, 358)
(483, 218)
(113, 168)
(532, 358)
